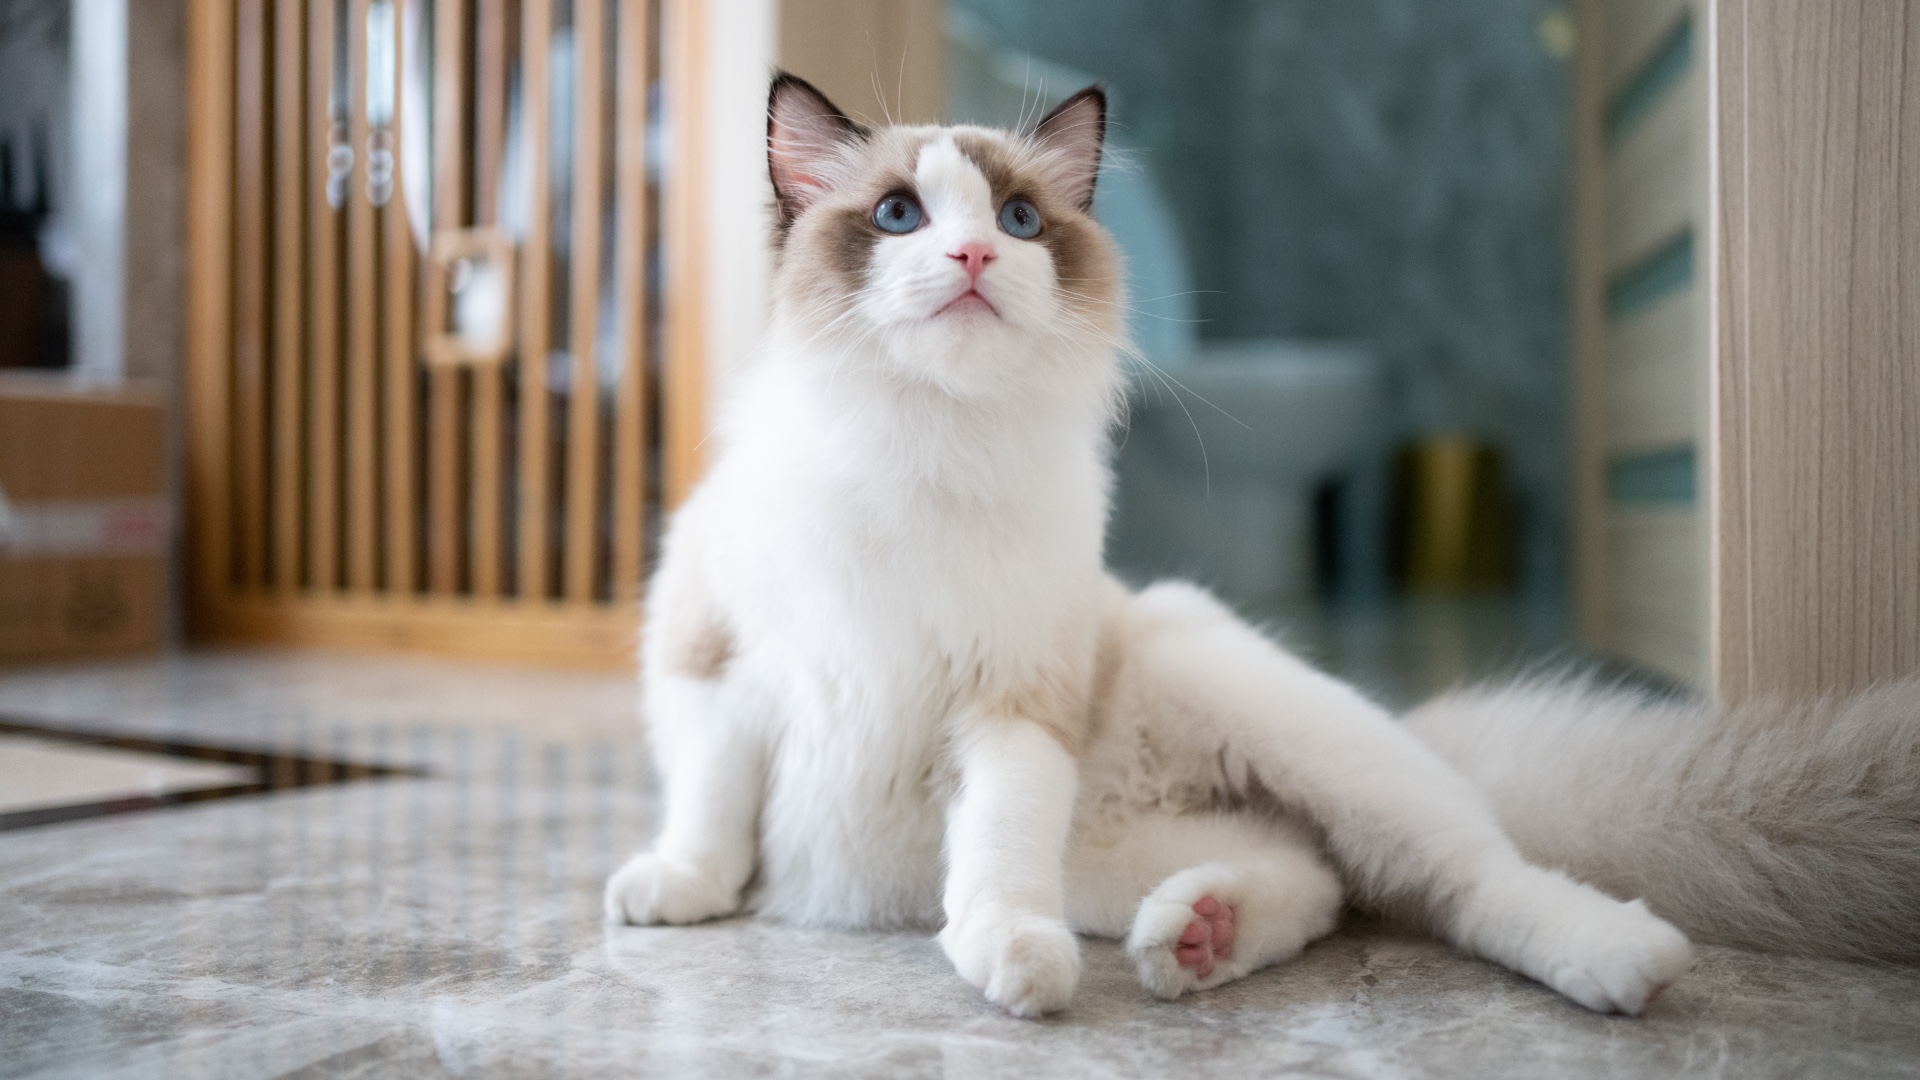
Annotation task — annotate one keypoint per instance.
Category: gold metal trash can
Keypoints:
(1453, 517)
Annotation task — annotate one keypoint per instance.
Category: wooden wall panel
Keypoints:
(881, 60)
(1817, 344)
(349, 487)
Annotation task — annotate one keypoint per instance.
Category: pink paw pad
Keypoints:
(1207, 938)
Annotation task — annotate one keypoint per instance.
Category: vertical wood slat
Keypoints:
(443, 478)
(289, 208)
(251, 317)
(492, 61)
(449, 212)
(402, 281)
(583, 294)
(210, 75)
(684, 376)
(535, 323)
(323, 361)
(489, 381)
(363, 327)
(632, 241)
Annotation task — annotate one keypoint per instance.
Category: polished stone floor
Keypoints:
(448, 925)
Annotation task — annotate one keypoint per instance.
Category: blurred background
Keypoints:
(438, 348)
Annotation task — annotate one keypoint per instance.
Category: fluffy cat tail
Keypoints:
(1790, 827)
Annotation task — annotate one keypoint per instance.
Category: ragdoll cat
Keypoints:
(889, 683)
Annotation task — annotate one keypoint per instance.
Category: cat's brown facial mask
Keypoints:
(941, 234)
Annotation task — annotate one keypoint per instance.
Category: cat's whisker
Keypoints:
(1167, 381)
(873, 80)
(1174, 386)
(1026, 80)
(1132, 352)
(821, 333)
(1134, 307)
(900, 82)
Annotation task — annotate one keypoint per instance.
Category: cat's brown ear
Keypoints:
(804, 131)
(1074, 132)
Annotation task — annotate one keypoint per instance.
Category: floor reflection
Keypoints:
(59, 773)
(1407, 649)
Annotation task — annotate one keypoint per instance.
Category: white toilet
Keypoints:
(1217, 476)
(1214, 481)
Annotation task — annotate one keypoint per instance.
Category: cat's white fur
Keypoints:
(888, 682)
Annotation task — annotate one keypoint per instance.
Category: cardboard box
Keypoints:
(84, 520)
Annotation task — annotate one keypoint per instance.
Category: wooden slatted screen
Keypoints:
(354, 480)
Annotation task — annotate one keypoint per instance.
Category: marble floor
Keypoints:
(447, 925)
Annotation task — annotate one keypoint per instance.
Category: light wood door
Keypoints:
(1747, 309)
(1641, 304)
(378, 458)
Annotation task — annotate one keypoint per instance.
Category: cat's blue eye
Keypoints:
(898, 214)
(1020, 219)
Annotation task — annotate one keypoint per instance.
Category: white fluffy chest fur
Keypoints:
(888, 572)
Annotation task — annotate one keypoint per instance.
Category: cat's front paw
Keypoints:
(1617, 958)
(654, 888)
(1026, 964)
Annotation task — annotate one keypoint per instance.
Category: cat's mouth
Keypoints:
(968, 303)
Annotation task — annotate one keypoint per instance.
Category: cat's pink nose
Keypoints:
(974, 255)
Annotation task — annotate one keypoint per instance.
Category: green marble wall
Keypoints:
(1391, 170)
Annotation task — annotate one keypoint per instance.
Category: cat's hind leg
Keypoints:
(1257, 895)
(1407, 830)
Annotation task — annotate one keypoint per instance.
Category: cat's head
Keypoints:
(962, 256)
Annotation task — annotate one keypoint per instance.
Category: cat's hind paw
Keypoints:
(1179, 945)
(1618, 959)
(652, 889)
(1208, 937)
